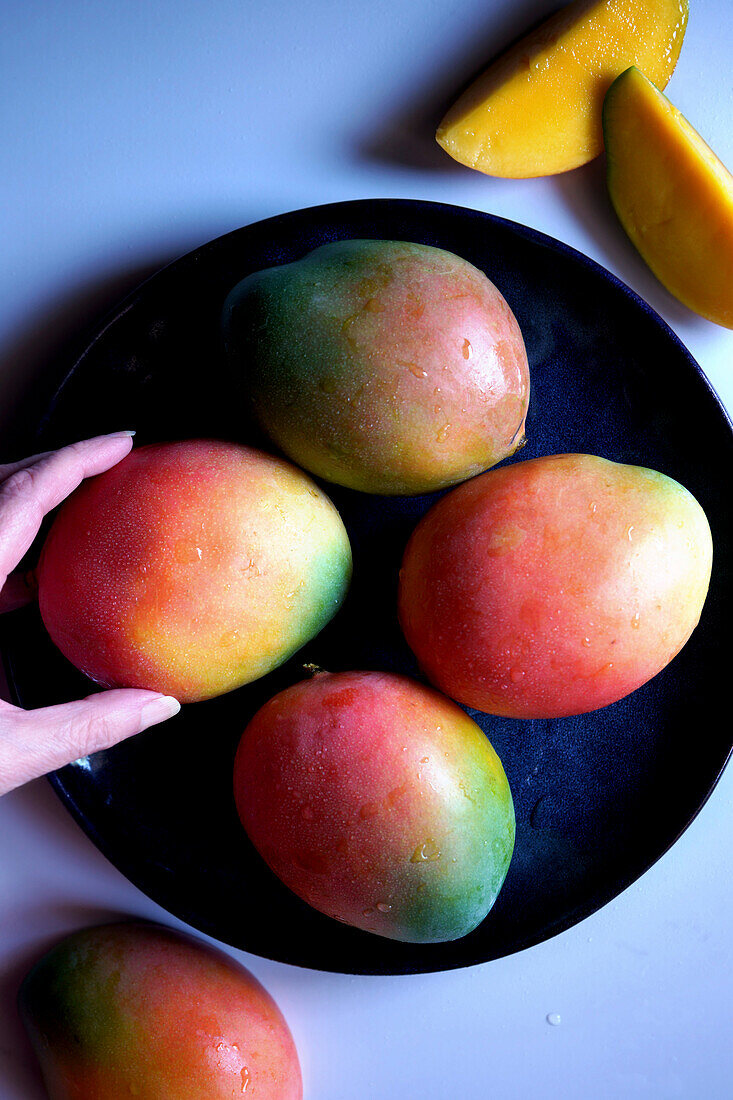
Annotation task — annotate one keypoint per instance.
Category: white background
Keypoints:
(132, 132)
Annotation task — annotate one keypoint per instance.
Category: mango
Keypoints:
(378, 802)
(554, 586)
(672, 195)
(192, 568)
(384, 366)
(536, 111)
(136, 1010)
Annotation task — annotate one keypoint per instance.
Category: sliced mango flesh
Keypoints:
(537, 110)
(673, 196)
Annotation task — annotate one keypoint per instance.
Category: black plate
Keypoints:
(598, 797)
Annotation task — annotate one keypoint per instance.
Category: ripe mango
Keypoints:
(384, 366)
(379, 802)
(536, 110)
(192, 568)
(554, 586)
(672, 195)
(136, 1010)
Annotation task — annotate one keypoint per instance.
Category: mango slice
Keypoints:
(536, 111)
(673, 196)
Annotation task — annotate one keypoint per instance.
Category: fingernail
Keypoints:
(121, 435)
(157, 710)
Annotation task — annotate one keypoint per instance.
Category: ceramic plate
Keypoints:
(598, 797)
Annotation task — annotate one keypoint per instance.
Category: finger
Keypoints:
(8, 468)
(31, 491)
(33, 742)
(18, 590)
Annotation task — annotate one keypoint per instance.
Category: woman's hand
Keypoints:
(37, 741)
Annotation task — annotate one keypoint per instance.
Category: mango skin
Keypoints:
(536, 111)
(135, 1010)
(192, 568)
(672, 195)
(384, 366)
(379, 802)
(554, 586)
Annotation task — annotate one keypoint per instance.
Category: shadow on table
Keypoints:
(406, 135)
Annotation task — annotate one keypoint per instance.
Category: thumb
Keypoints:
(33, 742)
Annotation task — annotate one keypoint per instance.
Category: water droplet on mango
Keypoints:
(186, 554)
(417, 370)
(504, 539)
(428, 852)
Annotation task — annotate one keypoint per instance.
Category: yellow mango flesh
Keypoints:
(673, 196)
(537, 110)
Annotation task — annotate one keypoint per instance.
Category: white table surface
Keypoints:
(132, 132)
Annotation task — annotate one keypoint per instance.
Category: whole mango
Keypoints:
(192, 568)
(384, 366)
(136, 1010)
(554, 586)
(379, 802)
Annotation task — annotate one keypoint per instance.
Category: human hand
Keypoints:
(37, 741)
